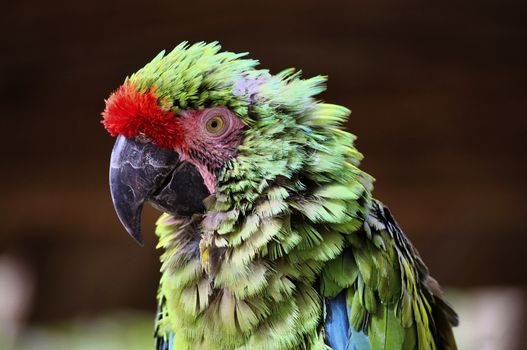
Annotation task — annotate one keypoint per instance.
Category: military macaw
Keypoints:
(271, 238)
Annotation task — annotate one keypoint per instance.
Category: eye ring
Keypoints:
(215, 125)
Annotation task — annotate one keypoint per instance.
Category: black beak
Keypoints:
(141, 172)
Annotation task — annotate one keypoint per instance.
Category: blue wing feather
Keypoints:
(339, 334)
(171, 341)
(165, 344)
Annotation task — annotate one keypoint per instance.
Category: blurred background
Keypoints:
(438, 92)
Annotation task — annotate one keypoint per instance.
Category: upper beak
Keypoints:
(141, 172)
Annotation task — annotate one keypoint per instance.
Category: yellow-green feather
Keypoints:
(290, 223)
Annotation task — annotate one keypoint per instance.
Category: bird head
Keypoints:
(201, 131)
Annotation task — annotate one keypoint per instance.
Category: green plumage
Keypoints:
(292, 223)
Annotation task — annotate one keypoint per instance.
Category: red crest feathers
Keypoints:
(131, 113)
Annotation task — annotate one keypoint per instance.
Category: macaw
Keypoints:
(271, 238)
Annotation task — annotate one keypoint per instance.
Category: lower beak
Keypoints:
(142, 172)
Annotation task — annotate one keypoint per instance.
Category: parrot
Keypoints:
(270, 237)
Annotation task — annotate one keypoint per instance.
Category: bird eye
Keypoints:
(215, 124)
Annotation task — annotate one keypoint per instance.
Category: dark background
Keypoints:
(438, 93)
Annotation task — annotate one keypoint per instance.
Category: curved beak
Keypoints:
(142, 172)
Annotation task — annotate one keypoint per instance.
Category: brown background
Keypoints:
(437, 89)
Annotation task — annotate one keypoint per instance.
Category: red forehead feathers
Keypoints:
(131, 113)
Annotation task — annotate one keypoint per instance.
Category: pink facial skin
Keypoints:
(131, 113)
(208, 151)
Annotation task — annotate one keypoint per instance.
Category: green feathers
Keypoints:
(292, 221)
(200, 75)
(194, 76)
